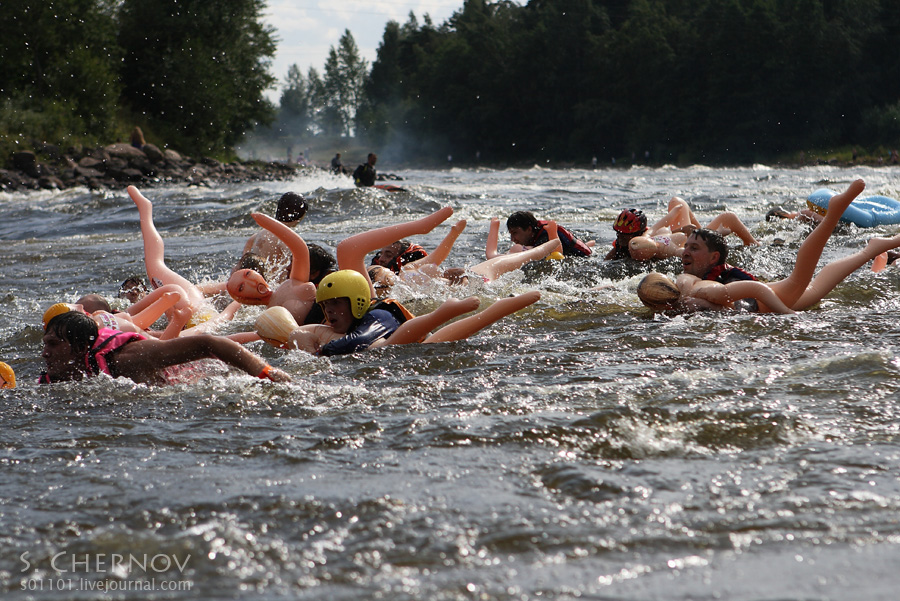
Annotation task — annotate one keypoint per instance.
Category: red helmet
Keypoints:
(631, 221)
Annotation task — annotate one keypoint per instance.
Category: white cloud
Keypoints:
(307, 29)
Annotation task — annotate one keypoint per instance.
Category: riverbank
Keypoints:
(117, 165)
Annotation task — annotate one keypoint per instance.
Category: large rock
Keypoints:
(154, 153)
(143, 165)
(10, 180)
(97, 153)
(92, 163)
(125, 151)
(51, 182)
(87, 171)
(173, 156)
(128, 174)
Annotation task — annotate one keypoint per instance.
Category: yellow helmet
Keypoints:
(7, 376)
(346, 283)
(57, 309)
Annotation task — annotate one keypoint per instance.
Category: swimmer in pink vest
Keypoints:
(75, 348)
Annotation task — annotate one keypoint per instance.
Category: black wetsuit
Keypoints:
(374, 325)
(364, 175)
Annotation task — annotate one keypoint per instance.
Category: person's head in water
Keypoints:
(383, 279)
(523, 227)
(345, 296)
(133, 289)
(371, 159)
(321, 263)
(395, 256)
(91, 303)
(291, 208)
(67, 339)
(703, 250)
(630, 224)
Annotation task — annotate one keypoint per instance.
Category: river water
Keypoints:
(580, 449)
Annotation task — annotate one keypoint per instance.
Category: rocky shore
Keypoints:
(118, 165)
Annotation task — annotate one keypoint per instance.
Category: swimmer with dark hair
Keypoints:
(527, 231)
(353, 326)
(74, 348)
(133, 289)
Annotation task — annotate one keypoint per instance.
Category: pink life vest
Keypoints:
(96, 359)
(108, 341)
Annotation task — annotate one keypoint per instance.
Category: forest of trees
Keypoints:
(713, 81)
(192, 72)
(688, 80)
(718, 81)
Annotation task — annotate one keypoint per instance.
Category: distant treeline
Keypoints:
(715, 81)
(728, 81)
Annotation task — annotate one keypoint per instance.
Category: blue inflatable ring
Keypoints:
(869, 211)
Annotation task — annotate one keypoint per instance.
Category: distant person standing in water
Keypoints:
(337, 166)
(365, 173)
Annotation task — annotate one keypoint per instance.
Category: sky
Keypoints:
(307, 29)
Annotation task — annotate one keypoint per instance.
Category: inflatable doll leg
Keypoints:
(728, 293)
(418, 328)
(296, 244)
(792, 288)
(178, 318)
(729, 223)
(161, 300)
(467, 326)
(442, 251)
(679, 215)
(154, 251)
(351, 252)
(835, 272)
(490, 249)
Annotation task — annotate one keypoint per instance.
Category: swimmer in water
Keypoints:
(354, 324)
(796, 292)
(526, 232)
(666, 238)
(133, 289)
(74, 348)
(425, 269)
